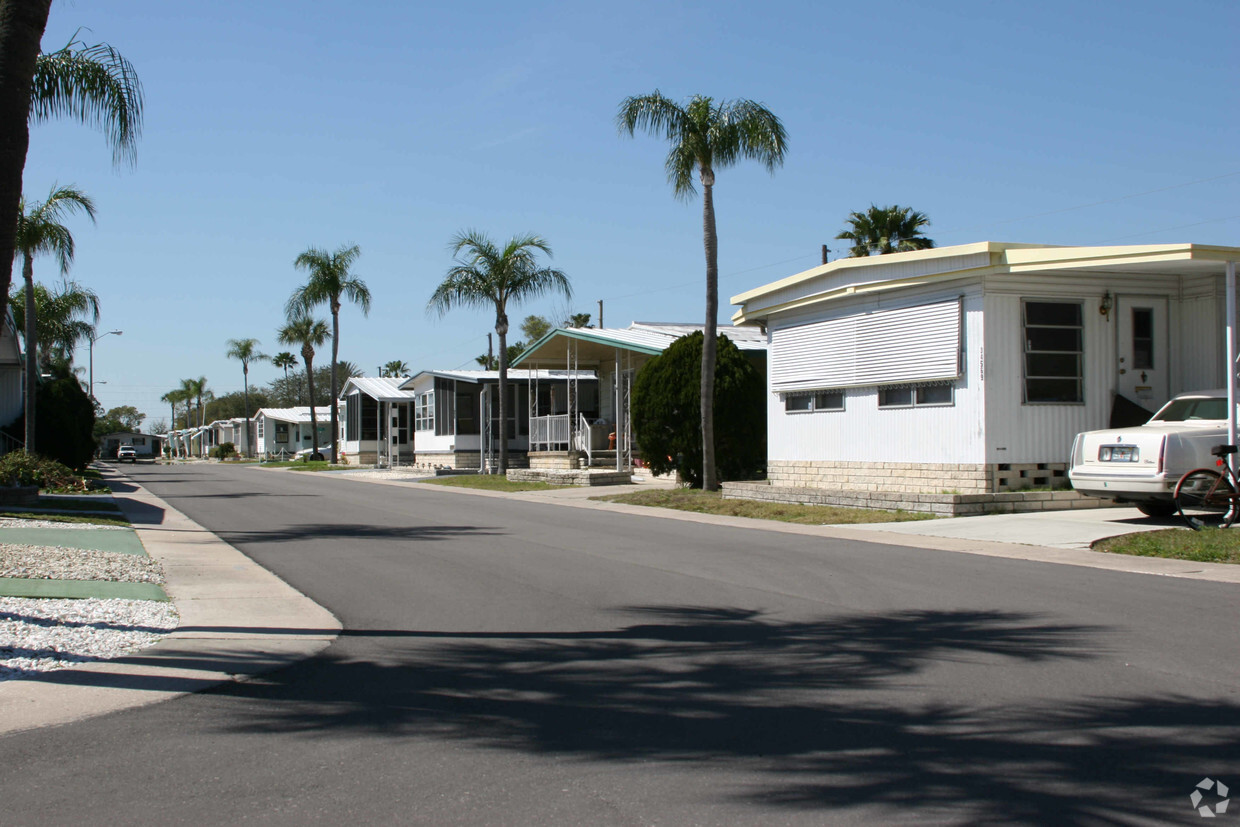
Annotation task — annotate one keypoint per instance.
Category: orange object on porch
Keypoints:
(611, 441)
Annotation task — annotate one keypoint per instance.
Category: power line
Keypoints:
(1169, 229)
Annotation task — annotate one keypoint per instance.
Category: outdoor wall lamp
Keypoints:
(1104, 306)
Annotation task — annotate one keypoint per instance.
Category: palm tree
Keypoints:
(197, 389)
(173, 398)
(330, 280)
(706, 137)
(578, 320)
(246, 351)
(882, 230)
(92, 84)
(284, 360)
(309, 333)
(39, 232)
(61, 318)
(489, 276)
(395, 368)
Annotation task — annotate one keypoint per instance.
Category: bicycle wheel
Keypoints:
(1205, 498)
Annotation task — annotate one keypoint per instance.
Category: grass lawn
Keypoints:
(710, 502)
(490, 482)
(298, 465)
(1211, 545)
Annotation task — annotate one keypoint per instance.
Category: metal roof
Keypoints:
(476, 376)
(649, 338)
(300, 414)
(382, 388)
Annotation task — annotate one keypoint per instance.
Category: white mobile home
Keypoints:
(233, 430)
(377, 422)
(971, 368)
(280, 432)
(456, 413)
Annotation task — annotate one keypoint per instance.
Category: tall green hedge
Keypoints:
(667, 421)
(64, 423)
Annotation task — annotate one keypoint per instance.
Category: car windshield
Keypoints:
(1189, 410)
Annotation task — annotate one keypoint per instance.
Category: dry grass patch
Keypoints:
(711, 502)
(1210, 545)
(490, 482)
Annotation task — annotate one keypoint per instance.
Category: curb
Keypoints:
(237, 620)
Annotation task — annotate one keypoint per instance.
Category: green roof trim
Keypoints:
(585, 337)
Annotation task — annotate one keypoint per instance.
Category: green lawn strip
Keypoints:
(85, 503)
(709, 502)
(490, 482)
(16, 513)
(298, 465)
(121, 542)
(78, 589)
(1211, 545)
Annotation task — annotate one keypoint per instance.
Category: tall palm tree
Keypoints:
(286, 360)
(40, 231)
(92, 84)
(706, 136)
(882, 230)
(173, 398)
(309, 333)
(197, 389)
(489, 276)
(330, 281)
(64, 317)
(396, 368)
(245, 351)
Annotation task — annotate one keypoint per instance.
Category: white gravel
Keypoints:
(39, 635)
(42, 635)
(59, 563)
(16, 522)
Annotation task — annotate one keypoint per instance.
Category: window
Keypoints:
(261, 422)
(424, 414)
(819, 401)
(281, 432)
(916, 396)
(1053, 348)
(1143, 338)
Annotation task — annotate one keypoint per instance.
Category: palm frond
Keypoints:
(95, 85)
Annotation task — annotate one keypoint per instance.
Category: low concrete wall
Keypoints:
(575, 477)
(556, 460)
(464, 459)
(944, 505)
(19, 495)
(929, 478)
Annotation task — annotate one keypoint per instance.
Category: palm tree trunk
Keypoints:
(335, 387)
(21, 29)
(502, 329)
(32, 349)
(711, 240)
(245, 383)
(314, 421)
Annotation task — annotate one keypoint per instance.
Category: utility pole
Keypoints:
(600, 314)
(489, 356)
(825, 250)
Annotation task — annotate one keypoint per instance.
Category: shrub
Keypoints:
(64, 423)
(667, 419)
(19, 468)
(224, 450)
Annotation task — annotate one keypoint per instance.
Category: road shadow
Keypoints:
(354, 531)
(828, 713)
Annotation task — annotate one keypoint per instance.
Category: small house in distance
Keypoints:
(377, 422)
(144, 445)
(456, 413)
(282, 432)
(970, 369)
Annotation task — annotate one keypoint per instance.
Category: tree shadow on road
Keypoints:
(827, 714)
(353, 531)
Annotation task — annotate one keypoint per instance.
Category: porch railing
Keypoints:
(550, 433)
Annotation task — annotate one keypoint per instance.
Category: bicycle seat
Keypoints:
(1223, 450)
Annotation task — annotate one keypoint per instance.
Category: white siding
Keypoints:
(863, 432)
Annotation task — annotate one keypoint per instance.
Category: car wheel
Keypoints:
(1157, 508)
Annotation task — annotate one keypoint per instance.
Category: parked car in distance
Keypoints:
(126, 452)
(1142, 464)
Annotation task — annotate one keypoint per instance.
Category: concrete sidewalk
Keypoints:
(237, 619)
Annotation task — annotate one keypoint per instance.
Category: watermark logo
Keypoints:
(1205, 810)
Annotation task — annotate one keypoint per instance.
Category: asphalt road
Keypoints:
(510, 662)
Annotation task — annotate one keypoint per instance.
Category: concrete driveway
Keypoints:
(1075, 529)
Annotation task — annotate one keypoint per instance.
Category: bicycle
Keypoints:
(1204, 497)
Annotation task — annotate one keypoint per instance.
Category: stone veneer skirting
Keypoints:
(462, 459)
(925, 478)
(944, 505)
(583, 476)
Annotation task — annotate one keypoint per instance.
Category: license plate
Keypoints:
(1118, 453)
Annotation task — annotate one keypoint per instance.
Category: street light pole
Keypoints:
(94, 339)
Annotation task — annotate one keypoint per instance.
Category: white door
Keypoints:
(1141, 325)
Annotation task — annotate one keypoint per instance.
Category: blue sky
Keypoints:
(275, 126)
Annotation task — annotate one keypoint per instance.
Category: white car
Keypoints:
(1142, 464)
(126, 452)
